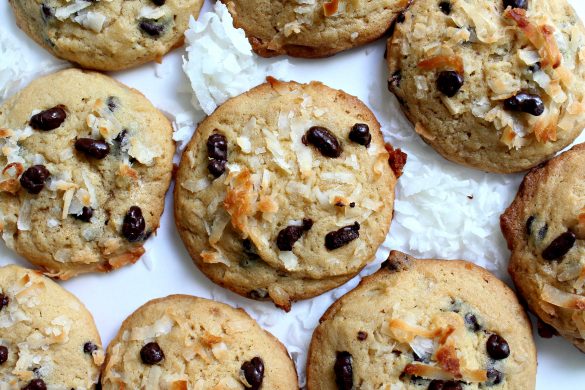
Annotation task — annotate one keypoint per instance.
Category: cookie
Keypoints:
(48, 339)
(489, 86)
(184, 342)
(85, 165)
(545, 230)
(312, 29)
(424, 324)
(106, 34)
(285, 191)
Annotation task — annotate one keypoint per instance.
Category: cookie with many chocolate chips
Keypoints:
(490, 86)
(85, 163)
(424, 324)
(184, 342)
(545, 230)
(48, 339)
(313, 28)
(106, 34)
(275, 200)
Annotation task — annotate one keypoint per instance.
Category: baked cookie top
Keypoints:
(85, 164)
(48, 339)
(296, 175)
(497, 88)
(545, 230)
(181, 342)
(312, 28)
(106, 34)
(424, 324)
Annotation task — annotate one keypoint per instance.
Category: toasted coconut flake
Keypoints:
(446, 355)
(487, 29)
(267, 204)
(214, 257)
(289, 259)
(434, 372)
(397, 159)
(563, 299)
(545, 129)
(240, 199)
(195, 186)
(404, 332)
(330, 8)
(453, 62)
(423, 132)
(280, 297)
(161, 327)
(219, 224)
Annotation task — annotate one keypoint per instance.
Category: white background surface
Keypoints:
(167, 268)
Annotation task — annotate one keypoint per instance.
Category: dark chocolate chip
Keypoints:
(400, 18)
(113, 103)
(343, 371)
(152, 28)
(89, 347)
(3, 354)
(525, 102)
(560, 246)
(121, 137)
(249, 249)
(529, 223)
(324, 140)
(34, 178)
(494, 377)
(545, 330)
(445, 7)
(46, 11)
(307, 224)
(159, 2)
(253, 372)
(151, 353)
(497, 347)
(289, 235)
(535, 67)
(49, 119)
(352, 205)
(134, 225)
(4, 301)
(217, 146)
(35, 384)
(360, 134)
(516, 4)
(92, 147)
(471, 322)
(422, 359)
(86, 214)
(342, 237)
(394, 80)
(216, 167)
(361, 336)
(449, 82)
(437, 384)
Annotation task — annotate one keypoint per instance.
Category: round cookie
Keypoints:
(545, 230)
(106, 34)
(424, 324)
(265, 212)
(85, 164)
(47, 336)
(181, 342)
(312, 29)
(490, 87)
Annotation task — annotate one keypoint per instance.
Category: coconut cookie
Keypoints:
(48, 339)
(316, 28)
(545, 230)
(85, 165)
(495, 85)
(283, 189)
(184, 342)
(106, 34)
(424, 324)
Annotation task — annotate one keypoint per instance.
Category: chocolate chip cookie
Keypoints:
(424, 324)
(48, 339)
(184, 342)
(106, 34)
(314, 28)
(85, 164)
(285, 191)
(545, 230)
(495, 85)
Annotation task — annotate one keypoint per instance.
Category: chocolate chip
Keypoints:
(46, 11)
(216, 167)
(497, 347)
(253, 372)
(494, 377)
(217, 146)
(151, 353)
(352, 205)
(525, 102)
(35, 384)
(258, 293)
(343, 371)
(159, 2)
(34, 178)
(342, 237)
(4, 301)
(437, 384)
(3, 354)
(361, 336)
(472, 323)
(535, 67)
(324, 140)
(545, 330)
(445, 7)
(560, 246)
(92, 147)
(134, 225)
(89, 347)
(394, 80)
(121, 137)
(289, 235)
(422, 359)
(529, 223)
(449, 82)
(49, 119)
(400, 18)
(113, 103)
(516, 4)
(542, 232)
(249, 249)
(360, 134)
(152, 28)
(85, 215)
